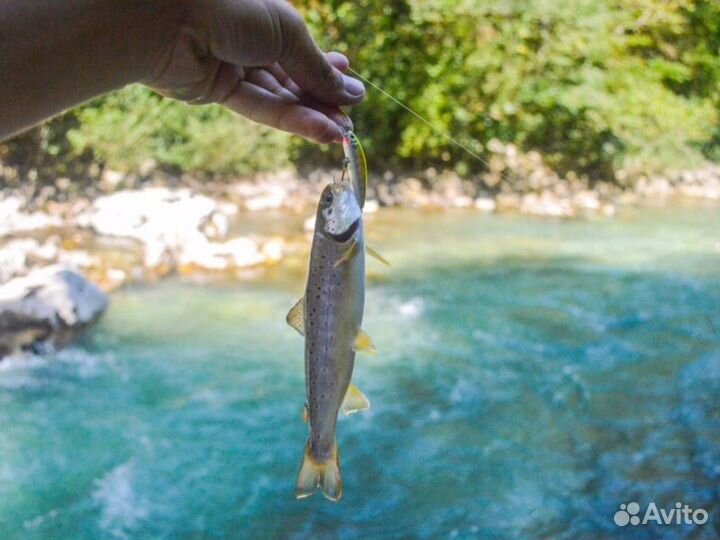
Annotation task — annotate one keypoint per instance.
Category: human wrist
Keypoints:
(55, 55)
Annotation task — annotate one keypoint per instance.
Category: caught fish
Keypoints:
(330, 316)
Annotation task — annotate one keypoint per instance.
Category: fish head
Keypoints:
(338, 211)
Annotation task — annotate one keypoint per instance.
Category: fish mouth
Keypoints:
(345, 236)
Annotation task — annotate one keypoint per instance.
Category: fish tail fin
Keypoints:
(324, 475)
(331, 478)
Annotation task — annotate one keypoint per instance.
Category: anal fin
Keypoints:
(355, 401)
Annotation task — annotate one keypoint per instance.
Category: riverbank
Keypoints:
(137, 230)
(132, 229)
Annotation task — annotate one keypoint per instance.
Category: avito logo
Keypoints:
(681, 514)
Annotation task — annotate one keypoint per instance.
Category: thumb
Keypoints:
(306, 64)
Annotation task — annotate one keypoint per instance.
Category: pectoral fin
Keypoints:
(296, 316)
(355, 401)
(363, 343)
(376, 255)
(349, 254)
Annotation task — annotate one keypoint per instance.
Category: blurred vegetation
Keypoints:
(597, 86)
(130, 127)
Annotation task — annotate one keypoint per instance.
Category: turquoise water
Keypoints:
(532, 376)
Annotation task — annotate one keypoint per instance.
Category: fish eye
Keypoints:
(328, 198)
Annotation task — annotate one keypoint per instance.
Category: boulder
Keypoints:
(371, 206)
(165, 221)
(18, 255)
(239, 252)
(485, 204)
(14, 219)
(280, 189)
(546, 204)
(309, 223)
(46, 308)
(13, 257)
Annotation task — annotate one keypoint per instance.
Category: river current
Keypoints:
(533, 375)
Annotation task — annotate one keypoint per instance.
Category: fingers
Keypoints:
(228, 85)
(266, 80)
(331, 111)
(284, 80)
(305, 63)
(266, 107)
(299, 90)
(338, 60)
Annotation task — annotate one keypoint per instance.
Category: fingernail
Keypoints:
(353, 86)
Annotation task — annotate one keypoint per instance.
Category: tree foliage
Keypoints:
(595, 85)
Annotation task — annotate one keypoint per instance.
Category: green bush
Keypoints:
(39, 156)
(134, 125)
(593, 84)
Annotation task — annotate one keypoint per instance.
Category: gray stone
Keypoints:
(47, 308)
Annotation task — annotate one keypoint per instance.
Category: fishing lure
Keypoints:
(355, 165)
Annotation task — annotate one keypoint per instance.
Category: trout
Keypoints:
(330, 317)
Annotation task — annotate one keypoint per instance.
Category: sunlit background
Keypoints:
(548, 333)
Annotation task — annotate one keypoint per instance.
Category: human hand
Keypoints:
(257, 58)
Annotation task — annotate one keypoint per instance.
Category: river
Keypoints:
(533, 375)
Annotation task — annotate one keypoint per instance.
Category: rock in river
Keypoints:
(46, 308)
(163, 220)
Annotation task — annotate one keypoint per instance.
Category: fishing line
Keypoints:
(427, 122)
